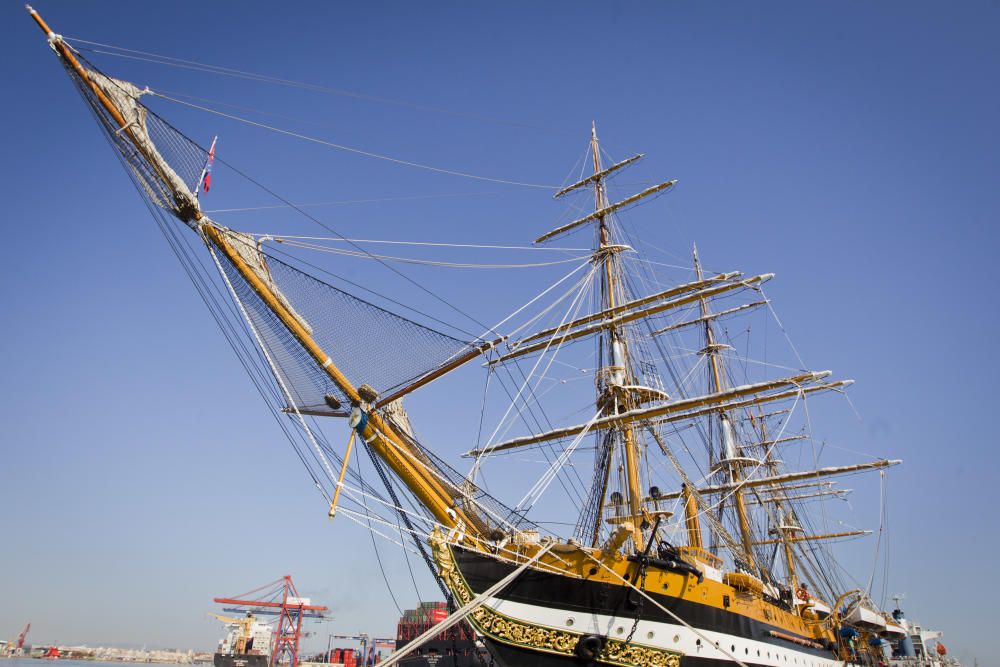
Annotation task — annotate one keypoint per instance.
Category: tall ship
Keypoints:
(689, 529)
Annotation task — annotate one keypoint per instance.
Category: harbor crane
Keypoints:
(16, 646)
(282, 599)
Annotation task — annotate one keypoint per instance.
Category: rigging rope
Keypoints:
(181, 63)
(425, 262)
(342, 202)
(434, 244)
(406, 519)
(350, 149)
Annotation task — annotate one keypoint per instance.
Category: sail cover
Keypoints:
(164, 162)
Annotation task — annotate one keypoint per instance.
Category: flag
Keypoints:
(206, 172)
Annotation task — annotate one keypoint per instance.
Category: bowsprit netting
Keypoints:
(165, 162)
(369, 344)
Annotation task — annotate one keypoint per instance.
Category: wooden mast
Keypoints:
(784, 530)
(726, 429)
(617, 348)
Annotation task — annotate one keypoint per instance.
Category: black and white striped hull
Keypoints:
(567, 609)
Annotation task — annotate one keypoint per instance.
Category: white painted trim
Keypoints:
(666, 636)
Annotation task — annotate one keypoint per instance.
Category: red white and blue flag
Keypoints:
(206, 172)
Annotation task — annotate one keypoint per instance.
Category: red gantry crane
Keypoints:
(279, 598)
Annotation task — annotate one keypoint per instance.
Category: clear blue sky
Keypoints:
(849, 147)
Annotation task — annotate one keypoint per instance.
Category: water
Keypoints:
(33, 662)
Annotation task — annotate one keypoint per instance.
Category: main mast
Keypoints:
(730, 458)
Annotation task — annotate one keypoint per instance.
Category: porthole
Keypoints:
(570, 622)
(746, 650)
(698, 643)
(677, 638)
(649, 635)
(619, 630)
(732, 649)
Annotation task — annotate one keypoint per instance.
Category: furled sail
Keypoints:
(163, 162)
(716, 401)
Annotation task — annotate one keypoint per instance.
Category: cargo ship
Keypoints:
(248, 643)
(455, 647)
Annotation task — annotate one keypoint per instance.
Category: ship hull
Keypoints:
(543, 618)
(249, 660)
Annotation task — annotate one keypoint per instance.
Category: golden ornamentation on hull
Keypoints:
(503, 628)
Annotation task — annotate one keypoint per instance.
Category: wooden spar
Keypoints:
(807, 485)
(774, 480)
(675, 495)
(691, 515)
(316, 413)
(383, 439)
(59, 46)
(716, 400)
(605, 211)
(563, 333)
(397, 454)
(809, 538)
(438, 372)
(765, 415)
(802, 496)
(787, 438)
(734, 472)
(593, 178)
(343, 471)
(706, 318)
(784, 529)
(614, 340)
(629, 305)
(758, 400)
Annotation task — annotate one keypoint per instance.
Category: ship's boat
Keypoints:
(865, 617)
(893, 631)
(689, 536)
(743, 581)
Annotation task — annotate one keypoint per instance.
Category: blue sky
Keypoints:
(850, 148)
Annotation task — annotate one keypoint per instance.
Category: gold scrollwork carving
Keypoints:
(511, 631)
